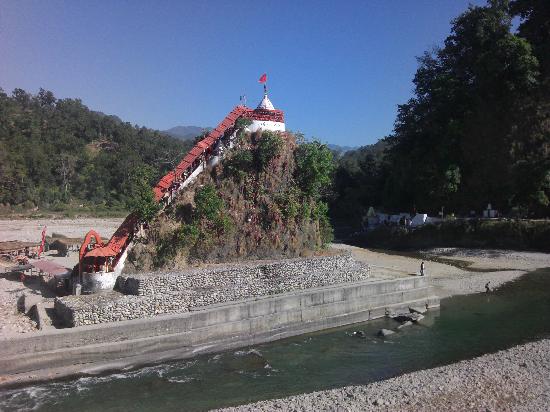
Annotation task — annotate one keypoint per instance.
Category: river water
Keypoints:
(464, 327)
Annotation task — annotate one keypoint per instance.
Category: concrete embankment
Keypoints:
(114, 345)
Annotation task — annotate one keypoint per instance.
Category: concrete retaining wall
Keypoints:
(218, 327)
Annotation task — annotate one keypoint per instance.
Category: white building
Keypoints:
(266, 117)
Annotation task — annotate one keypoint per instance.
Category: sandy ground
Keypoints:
(517, 379)
(453, 278)
(30, 230)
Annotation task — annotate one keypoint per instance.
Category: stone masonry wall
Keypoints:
(150, 294)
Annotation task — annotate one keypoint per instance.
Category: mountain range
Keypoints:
(186, 132)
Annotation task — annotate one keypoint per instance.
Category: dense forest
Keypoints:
(56, 154)
(477, 129)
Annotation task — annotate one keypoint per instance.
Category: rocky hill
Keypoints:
(263, 201)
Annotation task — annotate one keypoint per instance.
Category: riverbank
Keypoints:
(454, 271)
(466, 326)
(516, 379)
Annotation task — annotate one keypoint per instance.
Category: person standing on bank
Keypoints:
(422, 268)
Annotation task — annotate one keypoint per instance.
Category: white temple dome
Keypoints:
(266, 103)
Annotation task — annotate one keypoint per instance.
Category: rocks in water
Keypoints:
(385, 332)
(359, 334)
(407, 323)
(407, 317)
(417, 309)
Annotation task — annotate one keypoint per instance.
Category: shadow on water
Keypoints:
(464, 327)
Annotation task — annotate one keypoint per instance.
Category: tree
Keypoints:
(314, 168)
(462, 124)
(142, 199)
(208, 203)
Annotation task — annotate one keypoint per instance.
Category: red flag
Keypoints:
(263, 79)
(42, 242)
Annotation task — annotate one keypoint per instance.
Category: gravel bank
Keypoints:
(30, 230)
(516, 379)
(467, 272)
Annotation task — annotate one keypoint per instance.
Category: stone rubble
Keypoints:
(151, 294)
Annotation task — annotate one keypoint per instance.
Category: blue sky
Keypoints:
(337, 68)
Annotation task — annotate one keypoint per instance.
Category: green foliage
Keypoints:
(320, 213)
(187, 235)
(476, 130)
(141, 198)
(314, 168)
(242, 123)
(56, 153)
(289, 203)
(510, 234)
(239, 164)
(208, 204)
(452, 179)
(268, 147)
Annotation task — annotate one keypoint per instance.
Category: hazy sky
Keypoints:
(337, 68)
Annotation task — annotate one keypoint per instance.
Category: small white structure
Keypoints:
(419, 219)
(266, 117)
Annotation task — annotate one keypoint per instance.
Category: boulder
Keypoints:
(385, 332)
(417, 309)
(407, 323)
(406, 317)
(359, 334)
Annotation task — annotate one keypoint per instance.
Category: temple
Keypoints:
(266, 117)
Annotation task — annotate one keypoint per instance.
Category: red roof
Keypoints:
(103, 251)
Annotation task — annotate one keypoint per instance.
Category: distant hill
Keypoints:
(340, 149)
(57, 154)
(186, 132)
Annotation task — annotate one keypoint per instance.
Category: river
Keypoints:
(464, 327)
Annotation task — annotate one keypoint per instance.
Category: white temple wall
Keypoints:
(266, 125)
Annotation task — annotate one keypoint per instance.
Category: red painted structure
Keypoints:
(99, 254)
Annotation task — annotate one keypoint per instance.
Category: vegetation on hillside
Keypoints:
(265, 200)
(57, 153)
(506, 234)
(477, 129)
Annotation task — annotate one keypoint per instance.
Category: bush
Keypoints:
(239, 164)
(314, 168)
(269, 146)
(208, 203)
(518, 235)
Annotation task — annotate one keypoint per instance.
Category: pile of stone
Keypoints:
(151, 294)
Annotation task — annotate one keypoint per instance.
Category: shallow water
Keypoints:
(464, 327)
